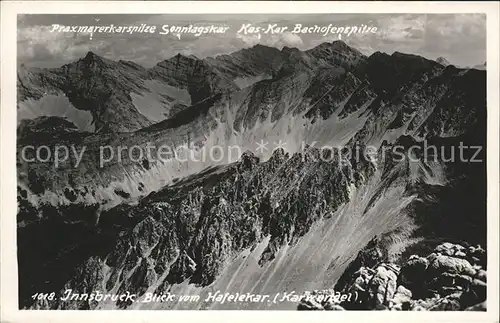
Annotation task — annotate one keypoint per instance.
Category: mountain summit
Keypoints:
(480, 66)
(443, 61)
(341, 194)
(123, 96)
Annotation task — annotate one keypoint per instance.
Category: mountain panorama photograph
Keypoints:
(251, 162)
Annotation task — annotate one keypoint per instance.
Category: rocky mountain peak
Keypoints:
(480, 66)
(248, 160)
(92, 58)
(337, 45)
(341, 45)
(179, 58)
(378, 55)
(443, 61)
(147, 226)
(260, 46)
(91, 55)
(406, 55)
(336, 53)
(288, 50)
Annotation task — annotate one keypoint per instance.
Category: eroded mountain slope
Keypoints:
(260, 223)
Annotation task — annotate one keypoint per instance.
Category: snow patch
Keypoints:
(56, 106)
(243, 82)
(157, 104)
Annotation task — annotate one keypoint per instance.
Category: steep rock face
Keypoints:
(326, 55)
(99, 95)
(103, 87)
(336, 53)
(330, 106)
(423, 100)
(294, 219)
(460, 110)
(394, 73)
(35, 82)
(193, 74)
(39, 93)
(120, 96)
(249, 65)
(331, 91)
(92, 84)
(195, 228)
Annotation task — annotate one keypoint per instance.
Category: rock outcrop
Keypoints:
(443, 61)
(452, 277)
(192, 230)
(144, 225)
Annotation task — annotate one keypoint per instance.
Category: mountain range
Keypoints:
(266, 221)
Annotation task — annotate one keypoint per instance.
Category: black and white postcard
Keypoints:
(283, 162)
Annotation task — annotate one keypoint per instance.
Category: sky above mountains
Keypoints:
(460, 38)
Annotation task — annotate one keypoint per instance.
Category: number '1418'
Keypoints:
(44, 296)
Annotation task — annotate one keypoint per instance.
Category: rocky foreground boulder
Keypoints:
(451, 278)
